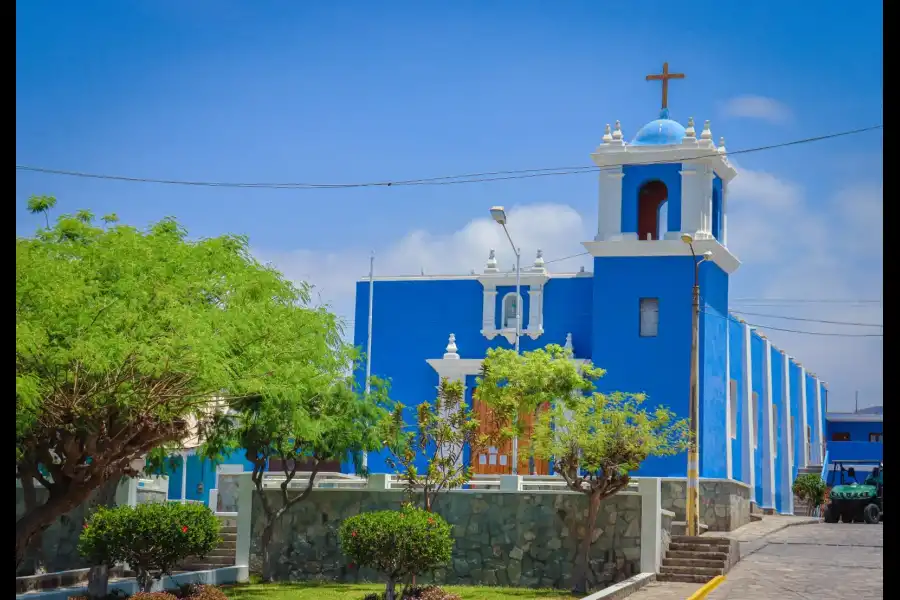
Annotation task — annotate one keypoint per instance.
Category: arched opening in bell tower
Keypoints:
(651, 197)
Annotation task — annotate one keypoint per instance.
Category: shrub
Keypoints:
(203, 592)
(153, 596)
(397, 543)
(810, 487)
(151, 538)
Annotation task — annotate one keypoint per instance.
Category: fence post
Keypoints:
(244, 519)
(510, 483)
(651, 522)
(379, 482)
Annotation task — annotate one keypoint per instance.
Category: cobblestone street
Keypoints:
(822, 561)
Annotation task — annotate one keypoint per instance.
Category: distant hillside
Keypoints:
(872, 410)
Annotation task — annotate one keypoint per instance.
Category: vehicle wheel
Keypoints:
(871, 514)
(830, 516)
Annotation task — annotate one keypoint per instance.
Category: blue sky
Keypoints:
(359, 91)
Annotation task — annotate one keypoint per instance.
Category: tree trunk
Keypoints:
(264, 542)
(582, 564)
(390, 592)
(36, 521)
(98, 581)
(29, 495)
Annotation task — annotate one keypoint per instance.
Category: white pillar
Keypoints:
(535, 298)
(724, 232)
(748, 424)
(690, 198)
(787, 445)
(769, 438)
(817, 426)
(609, 209)
(651, 521)
(184, 465)
(244, 521)
(804, 421)
(489, 310)
(729, 469)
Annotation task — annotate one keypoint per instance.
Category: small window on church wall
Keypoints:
(733, 403)
(649, 317)
(754, 409)
(510, 306)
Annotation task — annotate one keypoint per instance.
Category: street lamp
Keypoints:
(693, 466)
(499, 215)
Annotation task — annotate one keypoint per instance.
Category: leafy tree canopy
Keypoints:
(124, 335)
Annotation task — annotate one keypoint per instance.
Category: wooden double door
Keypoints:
(498, 460)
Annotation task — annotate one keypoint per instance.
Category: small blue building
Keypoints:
(856, 437)
(762, 415)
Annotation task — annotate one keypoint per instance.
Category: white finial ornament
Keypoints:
(722, 144)
(451, 348)
(568, 346)
(707, 134)
(491, 265)
(690, 132)
(539, 261)
(617, 134)
(607, 136)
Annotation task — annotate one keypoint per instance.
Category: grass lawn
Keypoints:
(356, 591)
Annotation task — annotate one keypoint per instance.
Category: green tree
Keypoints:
(594, 442)
(123, 338)
(445, 427)
(512, 384)
(810, 487)
(302, 430)
(41, 205)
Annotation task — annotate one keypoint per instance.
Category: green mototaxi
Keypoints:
(853, 502)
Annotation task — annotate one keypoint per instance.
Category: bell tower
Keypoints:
(666, 185)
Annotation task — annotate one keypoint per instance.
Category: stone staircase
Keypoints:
(698, 559)
(223, 555)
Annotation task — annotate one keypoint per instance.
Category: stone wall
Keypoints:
(145, 496)
(666, 517)
(724, 505)
(502, 538)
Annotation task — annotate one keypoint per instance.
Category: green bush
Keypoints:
(810, 487)
(397, 543)
(153, 596)
(151, 538)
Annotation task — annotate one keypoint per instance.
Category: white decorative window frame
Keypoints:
(532, 282)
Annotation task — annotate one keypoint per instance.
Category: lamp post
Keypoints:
(498, 213)
(693, 466)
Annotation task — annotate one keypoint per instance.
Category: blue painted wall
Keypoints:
(713, 382)
(799, 419)
(412, 320)
(718, 214)
(756, 357)
(658, 366)
(736, 342)
(859, 432)
(811, 412)
(198, 471)
(634, 176)
(777, 359)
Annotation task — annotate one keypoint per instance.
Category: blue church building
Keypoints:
(762, 414)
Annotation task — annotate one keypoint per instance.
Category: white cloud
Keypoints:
(757, 107)
(791, 247)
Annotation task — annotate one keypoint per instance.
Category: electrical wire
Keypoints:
(801, 331)
(444, 180)
(789, 318)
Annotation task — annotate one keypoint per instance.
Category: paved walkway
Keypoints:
(823, 562)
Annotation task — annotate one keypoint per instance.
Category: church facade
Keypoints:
(762, 414)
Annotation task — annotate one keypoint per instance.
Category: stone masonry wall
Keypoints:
(502, 538)
(724, 505)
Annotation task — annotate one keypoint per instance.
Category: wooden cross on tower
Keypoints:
(665, 76)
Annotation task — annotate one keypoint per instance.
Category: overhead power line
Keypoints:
(444, 180)
(788, 318)
(802, 331)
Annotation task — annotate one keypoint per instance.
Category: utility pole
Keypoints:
(365, 456)
(856, 401)
(693, 465)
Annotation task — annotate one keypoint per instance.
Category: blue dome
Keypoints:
(660, 132)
